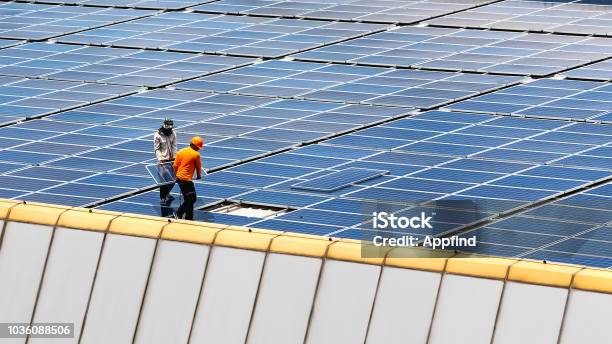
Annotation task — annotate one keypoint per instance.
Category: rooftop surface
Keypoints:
(495, 115)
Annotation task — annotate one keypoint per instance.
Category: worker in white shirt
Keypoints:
(164, 143)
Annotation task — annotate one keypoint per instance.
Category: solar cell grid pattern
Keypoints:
(467, 49)
(238, 35)
(597, 71)
(114, 138)
(38, 21)
(548, 98)
(110, 65)
(574, 17)
(22, 98)
(351, 84)
(575, 230)
(383, 11)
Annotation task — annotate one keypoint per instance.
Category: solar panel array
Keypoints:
(383, 11)
(328, 108)
(110, 65)
(505, 52)
(568, 17)
(38, 21)
(238, 35)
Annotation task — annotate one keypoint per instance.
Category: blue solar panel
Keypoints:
(357, 10)
(195, 32)
(377, 86)
(338, 180)
(462, 50)
(571, 16)
(38, 21)
(110, 65)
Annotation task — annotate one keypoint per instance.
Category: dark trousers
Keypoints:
(164, 190)
(189, 198)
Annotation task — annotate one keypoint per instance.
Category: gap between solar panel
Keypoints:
(339, 180)
(247, 209)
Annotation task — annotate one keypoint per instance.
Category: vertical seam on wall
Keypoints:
(261, 275)
(42, 275)
(316, 293)
(365, 339)
(144, 294)
(500, 303)
(95, 276)
(567, 301)
(197, 304)
(433, 313)
(6, 220)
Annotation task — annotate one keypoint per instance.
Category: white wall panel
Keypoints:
(344, 302)
(530, 314)
(404, 306)
(588, 318)
(466, 310)
(68, 279)
(285, 299)
(118, 290)
(228, 295)
(172, 293)
(22, 259)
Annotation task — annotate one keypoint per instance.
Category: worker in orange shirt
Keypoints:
(187, 162)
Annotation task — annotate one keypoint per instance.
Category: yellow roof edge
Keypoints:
(245, 238)
(6, 206)
(301, 244)
(485, 267)
(356, 251)
(598, 280)
(540, 273)
(418, 258)
(36, 213)
(87, 219)
(191, 232)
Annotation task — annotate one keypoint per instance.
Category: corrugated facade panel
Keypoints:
(530, 314)
(228, 296)
(588, 318)
(344, 302)
(172, 293)
(466, 309)
(22, 261)
(285, 298)
(68, 279)
(118, 289)
(404, 306)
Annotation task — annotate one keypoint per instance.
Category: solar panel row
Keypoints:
(568, 17)
(548, 98)
(238, 35)
(516, 53)
(110, 65)
(382, 11)
(350, 84)
(38, 21)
